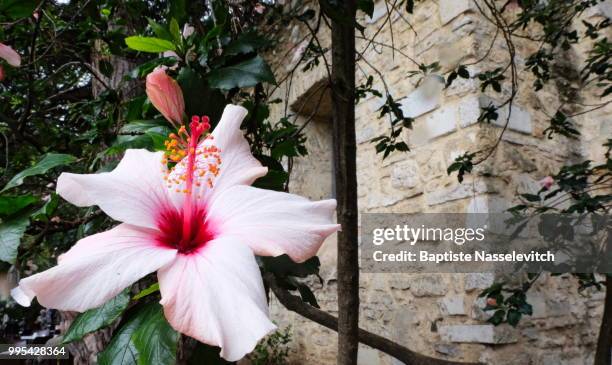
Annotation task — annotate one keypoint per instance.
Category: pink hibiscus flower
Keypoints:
(198, 224)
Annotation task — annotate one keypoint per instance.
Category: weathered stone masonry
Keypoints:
(439, 314)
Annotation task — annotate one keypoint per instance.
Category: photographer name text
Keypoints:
(475, 256)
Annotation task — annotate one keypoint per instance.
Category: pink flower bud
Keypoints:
(492, 302)
(547, 182)
(166, 95)
(9, 54)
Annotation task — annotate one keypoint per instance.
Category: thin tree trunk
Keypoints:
(603, 354)
(343, 96)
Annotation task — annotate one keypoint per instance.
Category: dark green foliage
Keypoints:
(561, 124)
(539, 64)
(362, 91)
(461, 71)
(97, 318)
(144, 338)
(273, 350)
(59, 115)
(392, 142)
(463, 164)
(289, 273)
(492, 78)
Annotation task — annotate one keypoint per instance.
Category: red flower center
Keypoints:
(172, 231)
(187, 229)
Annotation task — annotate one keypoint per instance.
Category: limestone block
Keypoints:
(561, 359)
(469, 111)
(380, 10)
(538, 305)
(441, 122)
(478, 333)
(452, 306)
(449, 9)
(524, 161)
(477, 311)
(520, 119)
(465, 26)
(487, 204)
(365, 134)
(602, 9)
(430, 285)
(527, 184)
(399, 281)
(368, 356)
(463, 86)
(376, 103)
(455, 192)
(478, 281)
(405, 175)
(431, 163)
(447, 349)
(424, 99)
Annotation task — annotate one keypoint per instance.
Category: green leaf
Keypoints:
(11, 232)
(49, 161)
(175, 31)
(244, 74)
(121, 350)
(497, 318)
(514, 316)
(154, 339)
(367, 6)
(150, 290)
(18, 8)
(94, 319)
(13, 204)
(143, 126)
(283, 266)
(178, 10)
(273, 180)
(149, 44)
(47, 209)
(206, 354)
(451, 77)
(245, 43)
(410, 6)
(463, 72)
(145, 68)
(148, 134)
(159, 30)
(531, 197)
(285, 148)
(195, 89)
(307, 295)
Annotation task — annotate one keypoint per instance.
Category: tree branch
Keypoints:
(295, 304)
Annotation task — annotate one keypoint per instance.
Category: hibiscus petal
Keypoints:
(9, 54)
(134, 192)
(216, 296)
(238, 166)
(273, 223)
(95, 270)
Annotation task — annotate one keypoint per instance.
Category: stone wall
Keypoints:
(439, 314)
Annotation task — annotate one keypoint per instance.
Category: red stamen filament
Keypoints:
(197, 128)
